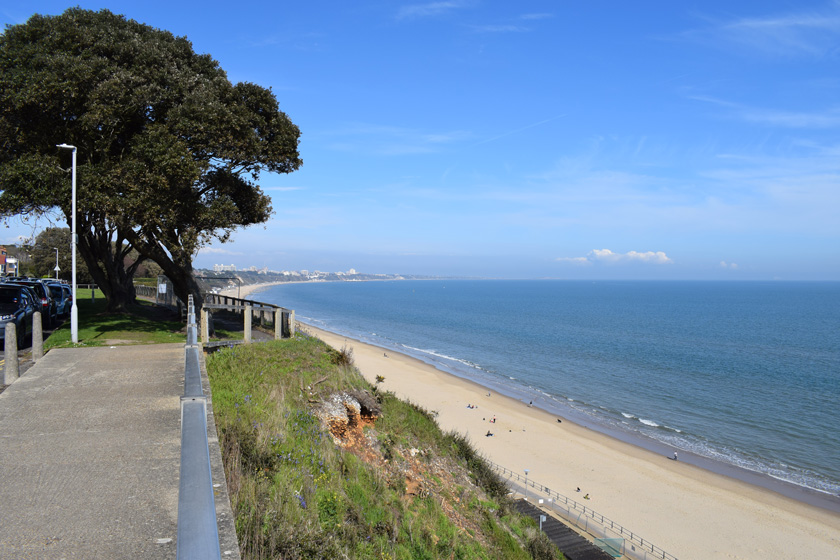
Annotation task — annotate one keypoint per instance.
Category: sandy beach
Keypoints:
(685, 510)
(242, 292)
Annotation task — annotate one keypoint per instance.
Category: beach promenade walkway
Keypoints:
(90, 455)
(573, 546)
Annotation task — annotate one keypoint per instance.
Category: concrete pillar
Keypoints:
(11, 369)
(37, 337)
(248, 318)
(278, 323)
(289, 323)
(205, 325)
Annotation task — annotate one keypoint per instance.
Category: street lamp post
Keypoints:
(56, 263)
(74, 240)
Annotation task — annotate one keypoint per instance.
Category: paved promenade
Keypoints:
(90, 454)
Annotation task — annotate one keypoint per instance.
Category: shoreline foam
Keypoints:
(684, 509)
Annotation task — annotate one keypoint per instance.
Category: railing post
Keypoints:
(205, 325)
(278, 323)
(37, 336)
(248, 319)
(289, 319)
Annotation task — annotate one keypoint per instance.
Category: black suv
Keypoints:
(17, 305)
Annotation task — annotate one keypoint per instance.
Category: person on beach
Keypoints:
(675, 456)
(586, 497)
(489, 433)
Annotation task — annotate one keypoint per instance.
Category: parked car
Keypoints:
(17, 305)
(47, 305)
(63, 296)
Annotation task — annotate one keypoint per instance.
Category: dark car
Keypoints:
(63, 296)
(45, 304)
(17, 305)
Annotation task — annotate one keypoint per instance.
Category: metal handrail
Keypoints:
(198, 533)
(588, 512)
(212, 299)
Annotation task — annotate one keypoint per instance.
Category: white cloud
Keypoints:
(610, 257)
(724, 264)
(826, 118)
(428, 9)
(814, 33)
(390, 140)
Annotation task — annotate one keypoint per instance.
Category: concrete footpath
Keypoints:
(90, 455)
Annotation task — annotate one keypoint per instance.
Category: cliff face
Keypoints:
(346, 415)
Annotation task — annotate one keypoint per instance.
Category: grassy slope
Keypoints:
(403, 490)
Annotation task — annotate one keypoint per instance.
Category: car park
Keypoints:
(17, 305)
(45, 303)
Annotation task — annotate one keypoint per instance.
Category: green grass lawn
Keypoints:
(146, 323)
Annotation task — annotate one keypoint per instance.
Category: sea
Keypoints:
(739, 377)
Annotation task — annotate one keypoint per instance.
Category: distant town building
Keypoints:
(224, 268)
(352, 271)
(8, 264)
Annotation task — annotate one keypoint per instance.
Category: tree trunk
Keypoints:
(177, 267)
(104, 257)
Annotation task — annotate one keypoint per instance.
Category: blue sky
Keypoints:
(655, 140)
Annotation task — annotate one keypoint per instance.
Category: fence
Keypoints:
(588, 520)
(198, 534)
(283, 319)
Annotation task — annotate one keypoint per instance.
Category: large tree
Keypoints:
(169, 151)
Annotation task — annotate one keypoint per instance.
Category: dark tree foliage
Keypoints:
(168, 149)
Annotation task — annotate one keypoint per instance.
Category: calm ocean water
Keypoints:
(747, 374)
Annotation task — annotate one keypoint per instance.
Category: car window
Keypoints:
(9, 296)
